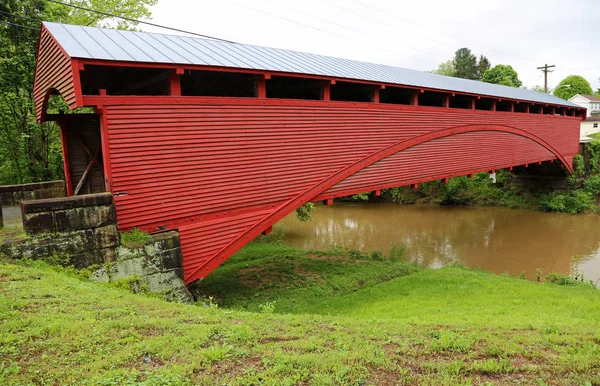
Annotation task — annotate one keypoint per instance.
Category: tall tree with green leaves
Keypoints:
(502, 74)
(571, 86)
(482, 66)
(445, 68)
(30, 152)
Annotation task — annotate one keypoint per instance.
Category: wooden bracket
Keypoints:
(328, 202)
(267, 231)
(414, 186)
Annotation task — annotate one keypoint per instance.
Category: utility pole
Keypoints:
(545, 70)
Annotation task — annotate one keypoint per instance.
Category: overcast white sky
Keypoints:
(411, 34)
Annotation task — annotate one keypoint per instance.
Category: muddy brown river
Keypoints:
(495, 239)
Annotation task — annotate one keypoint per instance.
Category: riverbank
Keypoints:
(321, 318)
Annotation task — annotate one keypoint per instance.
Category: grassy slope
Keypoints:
(450, 326)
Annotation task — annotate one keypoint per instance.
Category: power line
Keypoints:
(348, 28)
(327, 32)
(19, 25)
(433, 30)
(138, 21)
(20, 17)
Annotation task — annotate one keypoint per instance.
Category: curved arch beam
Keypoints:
(340, 175)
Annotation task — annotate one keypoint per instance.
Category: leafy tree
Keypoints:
(538, 88)
(467, 66)
(572, 85)
(502, 74)
(30, 152)
(482, 66)
(445, 68)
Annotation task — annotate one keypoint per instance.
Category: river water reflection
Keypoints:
(496, 239)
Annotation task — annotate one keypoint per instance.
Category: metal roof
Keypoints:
(132, 46)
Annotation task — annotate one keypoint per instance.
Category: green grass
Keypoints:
(134, 238)
(329, 318)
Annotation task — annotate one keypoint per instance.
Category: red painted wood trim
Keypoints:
(326, 92)
(340, 175)
(106, 161)
(77, 81)
(262, 87)
(376, 95)
(175, 84)
(65, 154)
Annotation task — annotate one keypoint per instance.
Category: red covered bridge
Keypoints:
(221, 140)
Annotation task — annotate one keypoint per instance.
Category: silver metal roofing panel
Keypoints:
(99, 43)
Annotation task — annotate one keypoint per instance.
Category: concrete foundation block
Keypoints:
(73, 243)
(37, 223)
(86, 259)
(107, 236)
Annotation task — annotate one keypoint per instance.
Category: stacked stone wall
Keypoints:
(14, 194)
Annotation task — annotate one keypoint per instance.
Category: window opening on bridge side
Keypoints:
(559, 110)
(219, 84)
(432, 98)
(294, 88)
(504, 105)
(521, 107)
(396, 95)
(535, 109)
(461, 101)
(352, 92)
(484, 104)
(548, 110)
(124, 80)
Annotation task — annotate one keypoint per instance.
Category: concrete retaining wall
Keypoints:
(14, 194)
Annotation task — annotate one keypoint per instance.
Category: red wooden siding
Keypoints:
(223, 170)
(54, 70)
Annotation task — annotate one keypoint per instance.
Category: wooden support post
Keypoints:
(175, 82)
(445, 180)
(510, 169)
(470, 175)
(328, 202)
(473, 104)
(512, 107)
(447, 102)
(376, 95)
(267, 231)
(326, 92)
(262, 86)
(494, 105)
(553, 110)
(541, 109)
(415, 98)
(527, 108)
(414, 186)
(377, 193)
(102, 92)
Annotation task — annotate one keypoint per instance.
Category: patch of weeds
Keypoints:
(447, 341)
(397, 252)
(493, 366)
(376, 256)
(267, 307)
(558, 279)
(217, 353)
(355, 254)
(135, 238)
(133, 284)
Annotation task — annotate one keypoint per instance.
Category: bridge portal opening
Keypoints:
(461, 101)
(125, 80)
(432, 98)
(219, 84)
(294, 88)
(484, 104)
(396, 95)
(352, 92)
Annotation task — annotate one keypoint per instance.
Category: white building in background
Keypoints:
(590, 102)
(592, 123)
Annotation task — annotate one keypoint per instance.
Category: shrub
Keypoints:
(361, 197)
(397, 252)
(303, 212)
(450, 193)
(592, 185)
(576, 201)
(558, 279)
